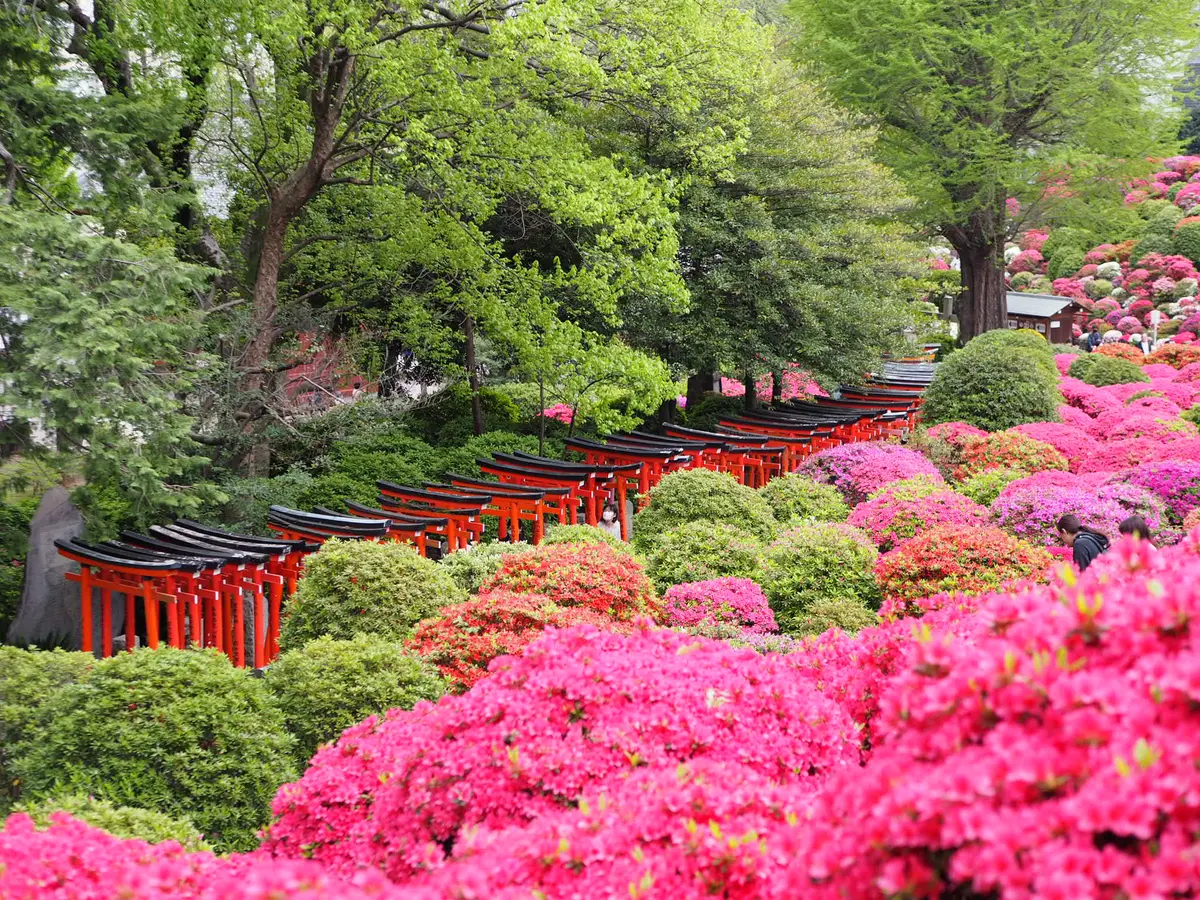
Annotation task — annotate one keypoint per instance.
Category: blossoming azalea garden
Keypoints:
(584, 449)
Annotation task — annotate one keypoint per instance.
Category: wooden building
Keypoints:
(1051, 317)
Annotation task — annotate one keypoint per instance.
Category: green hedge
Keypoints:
(470, 568)
(700, 550)
(181, 732)
(326, 686)
(123, 821)
(701, 494)
(796, 497)
(1100, 371)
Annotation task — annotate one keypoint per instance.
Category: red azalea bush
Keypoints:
(1122, 350)
(1007, 450)
(890, 519)
(858, 470)
(1050, 754)
(719, 601)
(960, 560)
(466, 637)
(579, 711)
(590, 575)
(1072, 442)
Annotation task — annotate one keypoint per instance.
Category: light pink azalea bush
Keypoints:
(1033, 513)
(890, 519)
(579, 710)
(858, 470)
(719, 601)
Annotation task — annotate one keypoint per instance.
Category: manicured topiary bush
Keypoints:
(326, 686)
(683, 497)
(1032, 514)
(851, 616)
(593, 576)
(994, 386)
(584, 534)
(964, 560)
(28, 679)
(700, 551)
(814, 562)
(891, 517)
(1099, 370)
(463, 641)
(121, 821)
(360, 587)
(178, 731)
(858, 470)
(984, 487)
(719, 601)
(796, 497)
(1008, 450)
(471, 567)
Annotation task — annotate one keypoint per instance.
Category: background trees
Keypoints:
(977, 101)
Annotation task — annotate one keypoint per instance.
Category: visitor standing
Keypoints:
(1094, 338)
(609, 523)
(1085, 543)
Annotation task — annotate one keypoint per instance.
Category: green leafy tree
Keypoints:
(976, 103)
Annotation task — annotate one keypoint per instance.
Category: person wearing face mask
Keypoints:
(609, 523)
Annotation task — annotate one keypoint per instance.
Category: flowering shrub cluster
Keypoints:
(721, 601)
(889, 519)
(857, 470)
(1033, 512)
(949, 559)
(815, 562)
(1176, 483)
(1007, 450)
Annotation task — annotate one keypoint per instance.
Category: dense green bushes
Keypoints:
(360, 587)
(700, 551)
(124, 821)
(181, 732)
(700, 494)
(326, 686)
(1099, 370)
(999, 380)
(470, 568)
(14, 544)
(706, 415)
(796, 497)
(817, 562)
(832, 612)
(584, 534)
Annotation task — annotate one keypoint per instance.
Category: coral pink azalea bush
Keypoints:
(962, 560)
(858, 470)
(889, 519)
(1007, 450)
(719, 601)
(590, 575)
(579, 710)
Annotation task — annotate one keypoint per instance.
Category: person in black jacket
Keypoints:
(1094, 339)
(1085, 543)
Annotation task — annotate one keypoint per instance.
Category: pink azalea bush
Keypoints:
(1033, 513)
(858, 470)
(578, 711)
(1070, 441)
(719, 601)
(560, 412)
(1175, 482)
(890, 519)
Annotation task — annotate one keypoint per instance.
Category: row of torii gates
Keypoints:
(203, 587)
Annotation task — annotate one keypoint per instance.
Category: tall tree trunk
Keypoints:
(473, 375)
(700, 384)
(983, 305)
(750, 399)
(777, 387)
(392, 375)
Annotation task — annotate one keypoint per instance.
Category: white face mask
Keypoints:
(609, 515)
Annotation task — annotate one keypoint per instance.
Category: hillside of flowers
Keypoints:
(878, 677)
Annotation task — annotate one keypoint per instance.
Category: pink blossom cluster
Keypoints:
(560, 412)
(719, 601)
(858, 470)
(796, 383)
(1070, 441)
(890, 519)
(1033, 513)
(1175, 482)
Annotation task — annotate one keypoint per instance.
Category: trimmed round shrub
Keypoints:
(1008, 450)
(122, 821)
(1187, 241)
(851, 616)
(890, 518)
(796, 497)
(858, 470)
(1033, 513)
(326, 686)
(463, 640)
(1100, 371)
(471, 567)
(702, 551)
(360, 587)
(993, 387)
(28, 679)
(178, 731)
(1010, 340)
(818, 561)
(683, 497)
(584, 534)
(957, 560)
(719, 601)
(984, 487)
(571, 716)
(593, 576)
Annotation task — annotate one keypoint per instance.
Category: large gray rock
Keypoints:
(50, 612)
